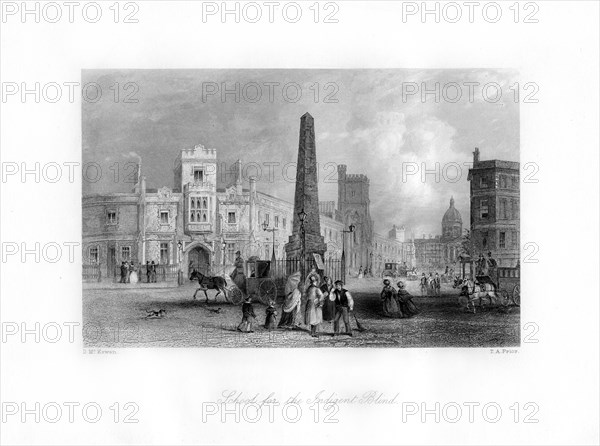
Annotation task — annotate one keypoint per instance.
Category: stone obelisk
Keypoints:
(306, 198)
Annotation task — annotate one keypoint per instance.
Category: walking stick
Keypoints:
(359, 326)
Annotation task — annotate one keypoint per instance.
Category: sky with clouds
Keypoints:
(366, 119)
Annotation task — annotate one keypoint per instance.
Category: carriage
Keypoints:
(506, 282)
(256, 280)
(394, 270)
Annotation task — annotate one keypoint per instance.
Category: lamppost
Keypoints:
(179, 256)
(302, 217)
(343, 265)
(223, 245)
(265, 227)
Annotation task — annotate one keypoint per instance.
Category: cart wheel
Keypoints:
(267, 291)
(516, 295)
(235, 295)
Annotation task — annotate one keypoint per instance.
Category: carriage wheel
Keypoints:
(267, 291)
(516, 295)
(235, 295)
(505, 297)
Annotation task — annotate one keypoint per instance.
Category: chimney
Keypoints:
(476, 156)
(238, 177)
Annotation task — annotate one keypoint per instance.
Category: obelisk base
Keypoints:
(314, 244)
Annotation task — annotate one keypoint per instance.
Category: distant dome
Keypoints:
(451, 215)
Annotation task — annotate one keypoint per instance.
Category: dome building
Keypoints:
(451, 223)
(435, 253)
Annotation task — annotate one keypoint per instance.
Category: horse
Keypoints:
(209, 283)
(471, 292)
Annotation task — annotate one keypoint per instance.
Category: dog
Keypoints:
(156, 314)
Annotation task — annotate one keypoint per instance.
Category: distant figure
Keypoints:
(133, 275)
(491, 265)
(291, 305)
(153, 272)
(248, 317)
(481, 266)
(360, 272)
(238, 274)
(129, 271)
(437, 284)
(423, 285)
(271, 316)
(148, 273)
(124, 271)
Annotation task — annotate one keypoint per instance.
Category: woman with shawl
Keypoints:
(292, 302)
(407, 306)
(388, 297)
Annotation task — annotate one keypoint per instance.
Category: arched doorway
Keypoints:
(198, 258)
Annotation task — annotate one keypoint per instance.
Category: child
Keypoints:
(248, 317)
(271, 316)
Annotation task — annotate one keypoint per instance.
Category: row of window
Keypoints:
(275, 221)
(111, 217)
(94, 254)
(507, 209)
(501, 181)
(506, 239)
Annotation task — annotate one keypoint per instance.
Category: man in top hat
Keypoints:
(492, 265)
(423, 285)
(238, 273)
(344, 304)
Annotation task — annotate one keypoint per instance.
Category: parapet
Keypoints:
(199, 152)
(357, 178)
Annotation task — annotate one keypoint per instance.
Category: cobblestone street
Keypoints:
(115, 318)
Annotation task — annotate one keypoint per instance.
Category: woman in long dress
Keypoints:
(405, 302)
(388, 297)
(313, 314)
(133, 277)
(291, 305)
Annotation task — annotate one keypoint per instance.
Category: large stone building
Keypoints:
(495, 209)
(200, 225)
(445, 249)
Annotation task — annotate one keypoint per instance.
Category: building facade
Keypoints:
(495, 219)
(198, 225)
(442, 250)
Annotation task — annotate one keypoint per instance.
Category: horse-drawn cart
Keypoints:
(505, 281)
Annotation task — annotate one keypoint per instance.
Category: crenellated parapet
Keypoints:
(199, 152)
